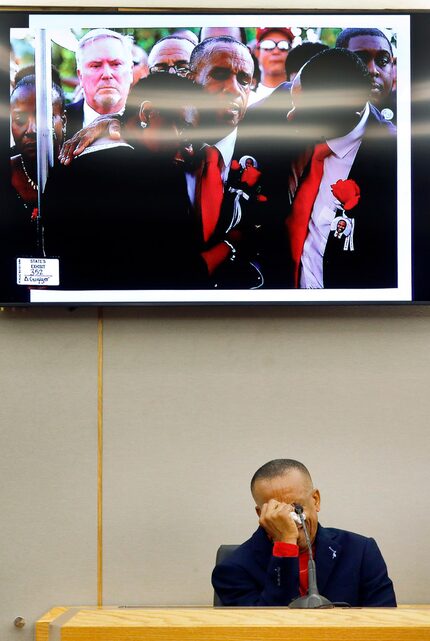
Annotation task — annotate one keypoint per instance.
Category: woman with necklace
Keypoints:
(22, 233)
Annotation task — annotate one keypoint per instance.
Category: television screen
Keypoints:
(182, 158)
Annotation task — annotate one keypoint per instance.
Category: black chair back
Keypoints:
(222, 553)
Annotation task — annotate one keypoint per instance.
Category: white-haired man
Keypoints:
(104, 64)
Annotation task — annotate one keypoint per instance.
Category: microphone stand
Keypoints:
(313, 598)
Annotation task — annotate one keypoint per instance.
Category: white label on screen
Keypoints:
(37, 271)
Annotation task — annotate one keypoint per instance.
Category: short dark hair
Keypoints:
(299, 55)
(199, 51)
(30, 70)
(29, 82)
(335, 69)
(345, 36)
(160, 88)
(279, 467)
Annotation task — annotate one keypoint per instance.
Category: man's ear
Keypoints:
(317, 499)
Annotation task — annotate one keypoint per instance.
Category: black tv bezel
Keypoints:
(420, 292)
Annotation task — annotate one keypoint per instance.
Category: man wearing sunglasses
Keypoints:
(271, 52)
(171, 55)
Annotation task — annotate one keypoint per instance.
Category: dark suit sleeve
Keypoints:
(376, 588)
(236, 586)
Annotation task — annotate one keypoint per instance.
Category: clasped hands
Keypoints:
(278, 521)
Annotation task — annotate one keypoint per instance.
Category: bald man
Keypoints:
(270, 569)
(171, 55)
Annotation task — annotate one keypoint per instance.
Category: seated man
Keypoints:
(270, 569)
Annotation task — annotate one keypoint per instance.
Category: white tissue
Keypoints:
(296, 517)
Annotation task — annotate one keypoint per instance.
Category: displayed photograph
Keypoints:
(216, 158)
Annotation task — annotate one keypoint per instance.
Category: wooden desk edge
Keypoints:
(42, 624)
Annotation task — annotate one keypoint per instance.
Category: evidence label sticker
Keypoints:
(38, 271)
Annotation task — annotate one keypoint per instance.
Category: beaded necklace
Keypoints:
(29, 180)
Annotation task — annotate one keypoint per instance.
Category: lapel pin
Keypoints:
(333, 553)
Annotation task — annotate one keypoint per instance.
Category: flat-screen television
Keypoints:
(181, 158)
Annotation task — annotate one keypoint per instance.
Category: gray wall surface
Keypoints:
(194, 401)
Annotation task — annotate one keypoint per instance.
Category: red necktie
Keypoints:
(210, 191)
(298, 220)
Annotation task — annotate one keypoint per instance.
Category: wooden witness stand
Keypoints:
(405, 623)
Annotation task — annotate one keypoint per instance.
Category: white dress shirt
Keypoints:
(337, 166)
(90, 115)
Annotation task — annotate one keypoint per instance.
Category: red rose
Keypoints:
(234, 165)
(261, 198)
(250, 176)
(34, 213)
(347, 192)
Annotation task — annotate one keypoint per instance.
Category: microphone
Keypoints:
(313, 598)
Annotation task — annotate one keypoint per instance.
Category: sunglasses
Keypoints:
(270, 45)
(179, 70)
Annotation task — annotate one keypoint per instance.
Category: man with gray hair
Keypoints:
(104, 64)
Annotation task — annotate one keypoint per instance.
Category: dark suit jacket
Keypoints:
(239, 273)
(75, 118)
(373, 263)
(115, 219)
(350, 568)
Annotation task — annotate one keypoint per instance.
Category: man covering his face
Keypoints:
(271, 568)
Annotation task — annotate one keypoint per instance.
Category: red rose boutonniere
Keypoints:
(250, 176)
(245, 179)
(347, 192)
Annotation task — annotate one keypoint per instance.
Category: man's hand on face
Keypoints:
(104, 126)
(276, 519)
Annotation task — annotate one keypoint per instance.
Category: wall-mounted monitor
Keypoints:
(218, 158)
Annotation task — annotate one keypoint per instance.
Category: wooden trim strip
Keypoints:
(100, 457)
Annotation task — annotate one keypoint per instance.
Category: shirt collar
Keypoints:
(343, 145)
(226, 147)
(90, 115)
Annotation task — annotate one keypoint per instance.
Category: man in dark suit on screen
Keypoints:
(334, 158)
(224, 68)
(270, 569)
